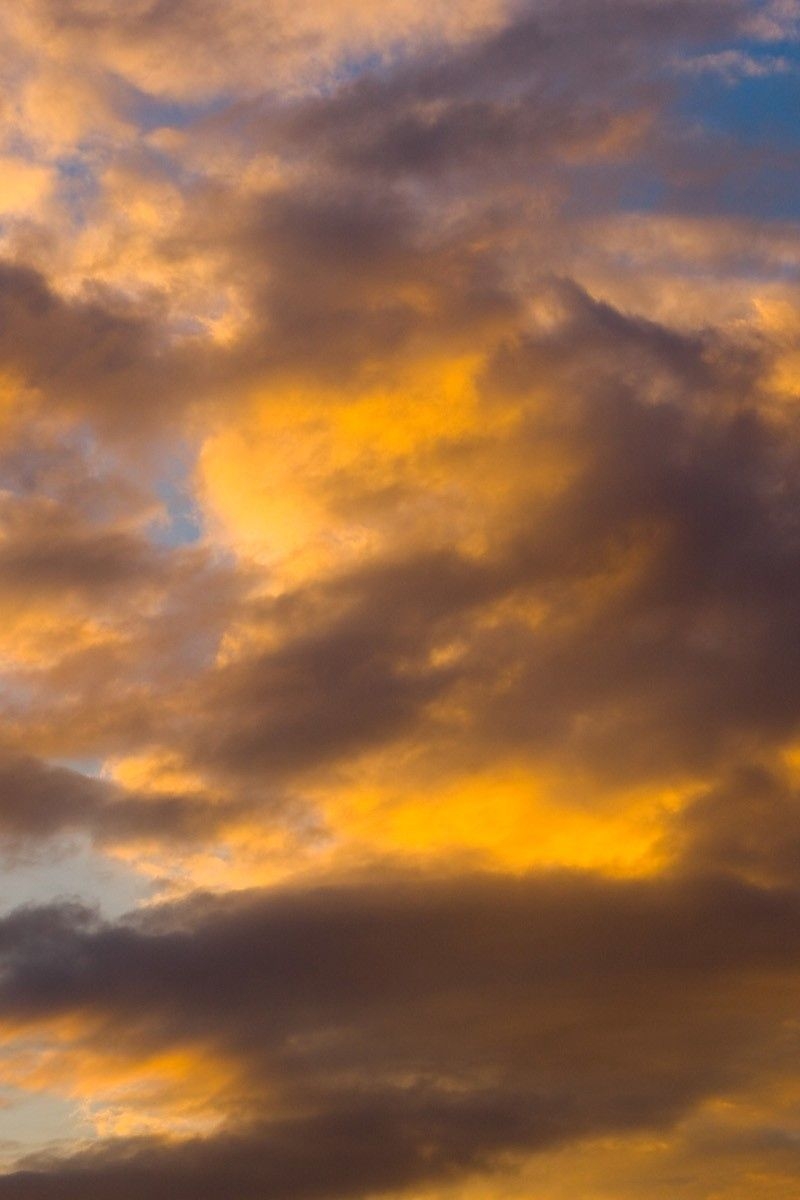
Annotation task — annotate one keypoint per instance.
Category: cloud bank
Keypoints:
(399, 569)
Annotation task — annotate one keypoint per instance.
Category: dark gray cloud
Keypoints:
(748, 823)
(547, 85)
(589, 1006)
(418, 199)
(105, 621)
(41, 804)
(98, 356)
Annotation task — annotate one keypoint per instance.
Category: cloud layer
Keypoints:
(399, 569)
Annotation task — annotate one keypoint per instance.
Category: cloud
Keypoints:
(83, 354)
(733, 65)
(669, 533)
(347, 1007)
(190, 52)
(398, 570)
(40, 804)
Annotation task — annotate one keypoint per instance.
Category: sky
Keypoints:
(399, 592)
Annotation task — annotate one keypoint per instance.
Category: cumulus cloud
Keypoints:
(399, 572)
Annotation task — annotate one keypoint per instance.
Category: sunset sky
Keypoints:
(400, 600)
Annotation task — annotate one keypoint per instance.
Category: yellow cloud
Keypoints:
(312, 483)
(122, 1090)
(506, 818)
(316, 482)
(24, 186)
